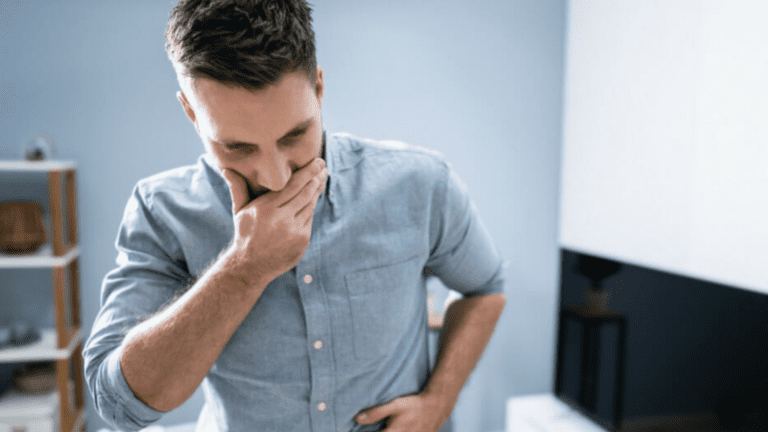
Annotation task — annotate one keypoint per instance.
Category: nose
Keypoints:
(273, 171)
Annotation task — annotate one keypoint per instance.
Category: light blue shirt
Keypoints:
(345, 330)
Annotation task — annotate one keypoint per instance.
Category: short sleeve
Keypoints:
(463, 255)
(150, 273)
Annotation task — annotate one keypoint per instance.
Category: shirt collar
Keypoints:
(331, 156)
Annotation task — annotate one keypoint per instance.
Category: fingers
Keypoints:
(238, 188)
(306, 212)
(379, 413)
(307, 195)
(295, 191)
(300, 180)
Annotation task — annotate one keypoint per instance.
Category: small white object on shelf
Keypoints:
(45, 349)
(30, 413)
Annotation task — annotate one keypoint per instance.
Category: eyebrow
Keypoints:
(298, 129)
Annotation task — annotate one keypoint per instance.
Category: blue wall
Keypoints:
(479, 81)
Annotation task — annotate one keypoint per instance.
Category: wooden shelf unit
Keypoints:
(64, 343)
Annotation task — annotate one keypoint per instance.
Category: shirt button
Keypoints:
(321, 406)
(318, 344)
(307, 279)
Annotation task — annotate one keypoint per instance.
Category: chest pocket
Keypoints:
(387, 303)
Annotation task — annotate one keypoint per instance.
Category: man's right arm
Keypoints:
(164, 358)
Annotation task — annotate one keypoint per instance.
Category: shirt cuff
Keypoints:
(130, 411)
(494, 286)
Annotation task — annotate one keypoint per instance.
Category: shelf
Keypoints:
(35, 166)
(14, 404)
(43, 257)
(17, 404)
(43, 350)
(62, 344)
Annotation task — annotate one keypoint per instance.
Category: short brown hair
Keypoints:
(245, 43)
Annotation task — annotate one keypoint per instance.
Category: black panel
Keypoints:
(692, 347)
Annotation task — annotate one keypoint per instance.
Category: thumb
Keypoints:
(375, 414)
(238, 188)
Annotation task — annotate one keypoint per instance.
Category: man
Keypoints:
(286, 270)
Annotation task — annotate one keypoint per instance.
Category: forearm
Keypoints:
(468, 326)
(165, 358)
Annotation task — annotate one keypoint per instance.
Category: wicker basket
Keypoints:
(35, 378)
(22, 229)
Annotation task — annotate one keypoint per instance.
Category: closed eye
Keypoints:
(286, 140)
(292, 137)
(237, 146)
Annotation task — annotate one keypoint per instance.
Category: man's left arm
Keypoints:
(468, 325)
(465, 260)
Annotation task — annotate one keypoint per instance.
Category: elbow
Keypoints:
(497, 303)
(155, 394)
(162, 402)
(501, 300)
(110, 400)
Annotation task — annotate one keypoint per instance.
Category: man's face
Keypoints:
(264, 135)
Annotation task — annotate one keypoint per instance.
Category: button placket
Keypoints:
(317, 318)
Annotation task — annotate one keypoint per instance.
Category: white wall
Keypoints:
(666, 139)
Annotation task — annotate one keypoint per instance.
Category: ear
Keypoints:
(319, 85)
(187, 106)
